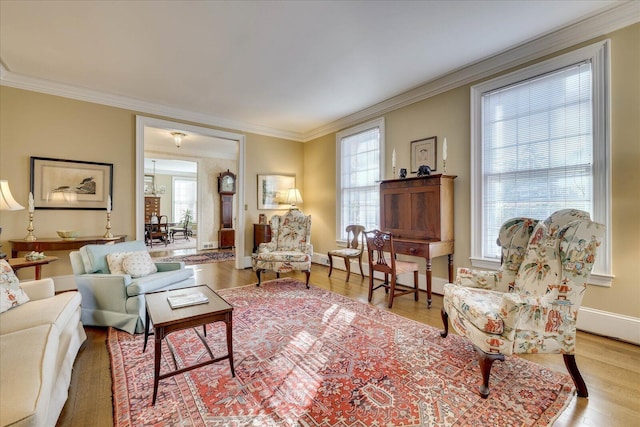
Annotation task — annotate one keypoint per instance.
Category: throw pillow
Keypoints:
(11, 294)
(138, 264)
(115, 260)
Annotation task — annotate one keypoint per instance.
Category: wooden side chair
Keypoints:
(379, 246)
(158, 230)
(354, 249)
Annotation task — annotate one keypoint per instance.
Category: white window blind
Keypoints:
(537, 151)
(185, 196)
(359, 173)
(540, 141)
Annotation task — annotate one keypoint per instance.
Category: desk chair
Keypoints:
(379, 247)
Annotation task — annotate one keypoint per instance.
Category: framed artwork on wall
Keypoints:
(272, 191)
(423, 153)
(70, 184)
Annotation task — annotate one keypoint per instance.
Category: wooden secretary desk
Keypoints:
(419, 214)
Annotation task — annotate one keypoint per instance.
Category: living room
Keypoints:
(41, 119)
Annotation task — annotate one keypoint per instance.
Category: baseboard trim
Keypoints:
(612, 325)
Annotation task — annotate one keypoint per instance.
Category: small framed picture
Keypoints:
(423, 152)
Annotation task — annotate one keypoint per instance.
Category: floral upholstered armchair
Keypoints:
(290, 247)
(530, 305)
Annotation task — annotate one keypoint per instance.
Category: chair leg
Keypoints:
(330, 264)
(370, 285)
(486, 361)
(445, 322)
(308, 273)
(572, 367)
(258, 274)
(360, 264)
(392, 290)
(347, 264)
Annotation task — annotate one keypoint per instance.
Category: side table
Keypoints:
(261, 234)
(18, 263)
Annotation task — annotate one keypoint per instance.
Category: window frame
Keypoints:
(363, 127)
(598, 54)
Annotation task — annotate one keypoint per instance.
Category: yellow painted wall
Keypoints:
(448, 114)
(36, 124)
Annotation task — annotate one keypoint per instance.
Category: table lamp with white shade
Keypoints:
(293, 197)
(7, 203)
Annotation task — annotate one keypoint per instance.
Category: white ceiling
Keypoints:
(289, 67)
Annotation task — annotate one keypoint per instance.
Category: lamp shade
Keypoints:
(293, 197)
(7, 202)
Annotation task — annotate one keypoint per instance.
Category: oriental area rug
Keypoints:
(309, 357)
(199, 258)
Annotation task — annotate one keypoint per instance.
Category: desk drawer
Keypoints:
(410, 248)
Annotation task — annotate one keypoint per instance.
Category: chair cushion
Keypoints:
(11, 295)
(406, 267)
(284, 256)
(479, 306)
(94, 257)
(57, 310)
(348, 252)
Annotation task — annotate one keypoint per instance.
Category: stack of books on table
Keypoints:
(187, 299)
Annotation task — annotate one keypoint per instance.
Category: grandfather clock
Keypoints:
(226, 189)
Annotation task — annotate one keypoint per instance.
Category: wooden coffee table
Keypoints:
(166, 320)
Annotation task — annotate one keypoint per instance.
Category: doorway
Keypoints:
(214, 151)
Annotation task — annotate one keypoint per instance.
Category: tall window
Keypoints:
(185, 196)
(540, 145)
(359, 168)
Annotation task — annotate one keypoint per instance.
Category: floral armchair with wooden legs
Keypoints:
(530, 305)
(290, 247)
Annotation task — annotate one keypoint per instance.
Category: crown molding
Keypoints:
(610, 19)
(604, 22)
(10, 79)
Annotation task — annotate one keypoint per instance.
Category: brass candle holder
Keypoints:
(108, 234)
(30, 237)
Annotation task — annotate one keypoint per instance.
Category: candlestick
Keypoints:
(30, 237)
(31, 207)
(109, 204)
(108, 234)
(393, 158)
(444, 156)
(444, 149)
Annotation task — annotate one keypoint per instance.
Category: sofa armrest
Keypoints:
(39, 289)
(104, 291)
(471, 278)
(170, 266)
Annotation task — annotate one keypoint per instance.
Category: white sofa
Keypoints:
(39, 341)
(117, 299)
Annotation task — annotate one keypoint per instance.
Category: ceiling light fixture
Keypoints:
(177, 138)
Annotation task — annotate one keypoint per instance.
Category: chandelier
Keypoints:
(152, 189)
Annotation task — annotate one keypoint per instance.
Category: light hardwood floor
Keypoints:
(610, 368)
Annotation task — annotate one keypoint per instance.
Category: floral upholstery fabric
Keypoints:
(290, 247)
(11, 294)
(538, 312)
